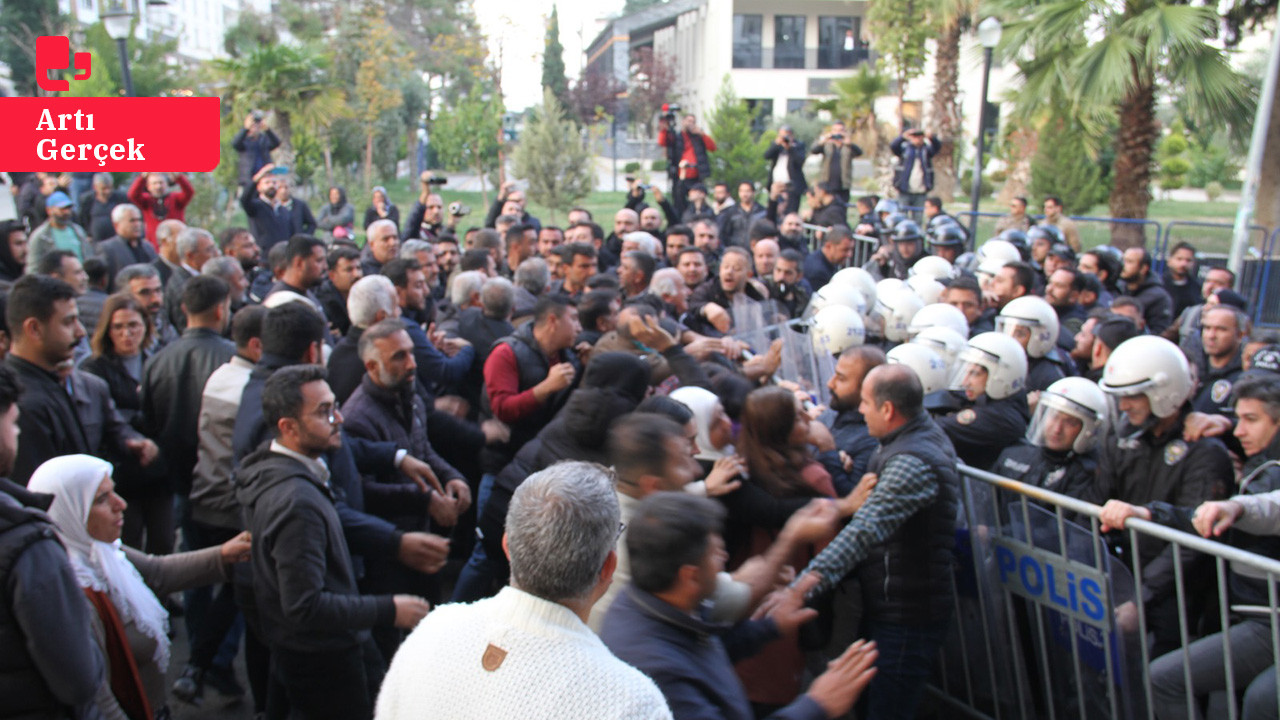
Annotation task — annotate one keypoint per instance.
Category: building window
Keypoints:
(800, 106)
(788, 41)
(839, 42)
(747, 40)
(761, 113)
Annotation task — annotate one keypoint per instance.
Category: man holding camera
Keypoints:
(254, 142)
(786, 165)
(838, 151)
(427, 219)
(509, 193)
(913, 177)
(687, 148)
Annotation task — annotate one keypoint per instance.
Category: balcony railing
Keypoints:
(812, 58)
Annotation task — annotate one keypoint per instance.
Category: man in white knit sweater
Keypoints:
(528, 652)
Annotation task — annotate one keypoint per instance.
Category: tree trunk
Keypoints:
(1135, 142)
(284, 128)
(946, 123)
(1022, 148)
(1267, 210)
(368, 159)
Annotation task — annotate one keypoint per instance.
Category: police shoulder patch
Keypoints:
(1174, 452)
(966, 416)
(1220, 390)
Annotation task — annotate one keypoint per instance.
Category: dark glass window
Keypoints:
(835, 34)
(748, 36)
(788, 41)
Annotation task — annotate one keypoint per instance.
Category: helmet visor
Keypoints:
(970, 378)
(1019, 329)
(1056, 425)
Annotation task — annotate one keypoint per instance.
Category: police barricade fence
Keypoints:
(1049, 621)
(864, 246)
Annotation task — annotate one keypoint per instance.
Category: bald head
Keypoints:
(625, 221)
(896, 385)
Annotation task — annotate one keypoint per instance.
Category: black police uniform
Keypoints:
(1138, 466)
(1043, 372)
(1068, 473)
(1215, 388)
(986, 322)
(983, 429)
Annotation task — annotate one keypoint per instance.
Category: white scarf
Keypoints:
(702, 403)
(73, 480)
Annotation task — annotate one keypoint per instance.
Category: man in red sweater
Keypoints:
(151, 193)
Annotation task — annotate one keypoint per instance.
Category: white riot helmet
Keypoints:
(927, 364)
(887, 285)
(1062, 405)
(896, 309)
(931, 266)
(1001, 250)
(834, 294)
(858, 279)
(939, 314)
(1032, 316)
(926, 288)
(1152, 366)
(943, 340)
(835, 329)
(998, 359)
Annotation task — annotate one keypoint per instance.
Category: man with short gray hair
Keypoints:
(126, 246)
(195, 247)
(532, 278)
(528, 650)
(482, 327)
(371, 300)
(94, 208)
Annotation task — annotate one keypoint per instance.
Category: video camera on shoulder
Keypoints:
(669, 112)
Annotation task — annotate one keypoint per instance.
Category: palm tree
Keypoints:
(953, 17)
(1112, 61)
(292, 82)
(855, 101)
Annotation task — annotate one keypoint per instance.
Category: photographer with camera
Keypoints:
(786, 165)
(254, 143)
(509, 193)
(913, 176)
(427, 219)
(838, 151)
(687, 147)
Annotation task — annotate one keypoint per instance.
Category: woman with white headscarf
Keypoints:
(122, 584)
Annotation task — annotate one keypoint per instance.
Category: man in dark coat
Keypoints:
(127, 247)
(313, 618)
(52, 667)
(63, 410)
(786, 157)
(387, 407)
(1138, 282)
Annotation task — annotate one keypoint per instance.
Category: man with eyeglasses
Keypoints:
(314, 619)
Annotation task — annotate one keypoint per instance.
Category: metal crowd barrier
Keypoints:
(1036, 632)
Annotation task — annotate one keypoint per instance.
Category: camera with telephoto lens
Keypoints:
(437, 181)
(669, 111)
(457, 209)
(258, 115)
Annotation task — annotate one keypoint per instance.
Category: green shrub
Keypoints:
(631, 167)
(658, 165)
(1213, 190)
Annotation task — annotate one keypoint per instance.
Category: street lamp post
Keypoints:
(117, 18)
(988, 38)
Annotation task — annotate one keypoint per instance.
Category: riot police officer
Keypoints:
(1059, 452)
(1147, 460)
(989, 383)
(1034, 324)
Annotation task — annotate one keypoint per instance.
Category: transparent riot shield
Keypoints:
(800, 364)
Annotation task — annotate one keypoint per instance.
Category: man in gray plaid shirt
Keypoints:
(900, 542)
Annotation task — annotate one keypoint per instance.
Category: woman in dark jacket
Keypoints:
(338, 213)
(119, 345)
(381, 208)
(612, 386)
